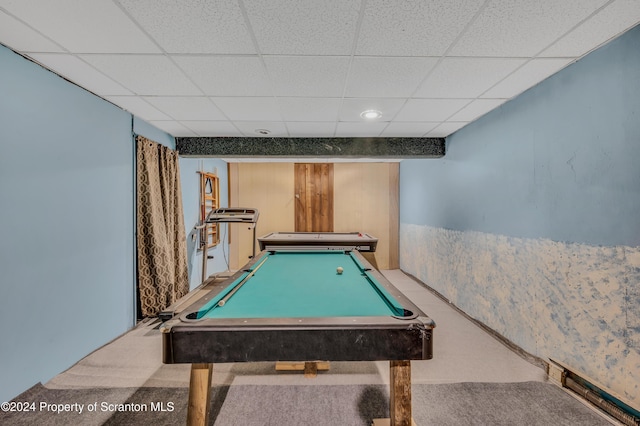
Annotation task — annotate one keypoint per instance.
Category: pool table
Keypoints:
(319, 240)
(294, 305)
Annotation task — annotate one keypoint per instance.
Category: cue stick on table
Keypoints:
(240, 284)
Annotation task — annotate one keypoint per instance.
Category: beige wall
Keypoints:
(267, 187)
(365, 199)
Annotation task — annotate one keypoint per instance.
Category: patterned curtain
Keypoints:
(162, 244)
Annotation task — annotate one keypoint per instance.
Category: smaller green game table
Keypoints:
(318, 240)
(300, 305)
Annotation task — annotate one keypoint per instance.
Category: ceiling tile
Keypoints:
(227, 75)
(430, 109)
(413, 28)
(186, 108)
(312, 76)
(249, 128)
(393, 77)
(446, 129)
(81, 73)
(21, 37)
(212, 128)
(249, 109)
(308, 68)
(525, 77)
(363, 130)
(606, 24)
(304, 27)
(408, 129)
(138, 107)
(193, 26)
(466, 77)
(352, 108)
(309, 109)
(476, 108)
(299, 129)
(173, 128)
(83, 26)
(144, 74)
(521, 28)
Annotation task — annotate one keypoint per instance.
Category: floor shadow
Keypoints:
(373, 403)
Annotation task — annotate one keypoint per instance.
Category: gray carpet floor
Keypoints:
(525, 403)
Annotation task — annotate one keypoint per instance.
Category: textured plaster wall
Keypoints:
(575, 303)
(530, 222)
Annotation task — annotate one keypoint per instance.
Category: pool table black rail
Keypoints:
(201, 344)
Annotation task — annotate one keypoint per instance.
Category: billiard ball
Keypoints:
(339, 270)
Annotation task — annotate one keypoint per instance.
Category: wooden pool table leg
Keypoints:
(400, 393)
(199, 395)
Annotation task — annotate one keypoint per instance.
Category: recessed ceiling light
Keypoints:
(371, 114)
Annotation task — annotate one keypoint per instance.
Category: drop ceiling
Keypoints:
(309, 68)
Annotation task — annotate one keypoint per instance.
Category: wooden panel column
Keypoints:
(314, 197)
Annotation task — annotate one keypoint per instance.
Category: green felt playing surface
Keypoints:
(305, 284)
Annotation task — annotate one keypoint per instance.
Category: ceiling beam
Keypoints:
(222, 147)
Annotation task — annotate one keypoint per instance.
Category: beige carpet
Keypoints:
(131, 365)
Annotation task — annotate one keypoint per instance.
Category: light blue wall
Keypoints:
(530, 222)
(141, 127)
(566, 150)
(190, 180)
(66, 223)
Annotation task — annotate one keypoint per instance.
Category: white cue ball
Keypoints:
(339, 270)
